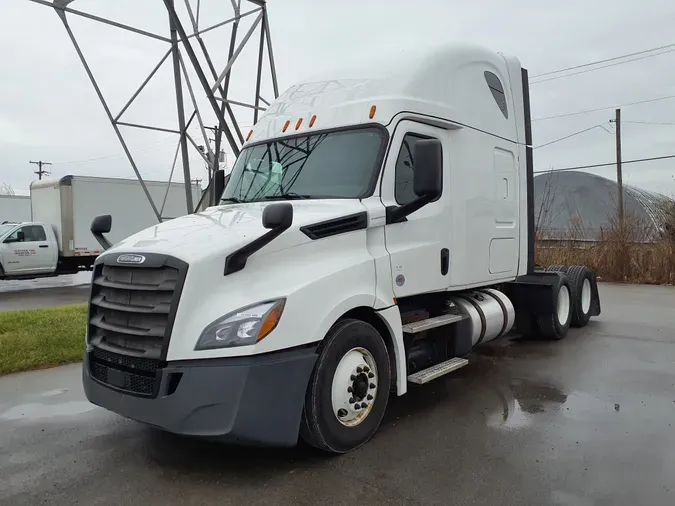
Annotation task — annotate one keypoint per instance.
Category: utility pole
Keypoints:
(40, 170)
(619, 176)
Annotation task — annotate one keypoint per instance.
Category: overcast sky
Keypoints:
(49, 111)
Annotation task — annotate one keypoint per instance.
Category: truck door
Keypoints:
(419, 247)
(27, 251)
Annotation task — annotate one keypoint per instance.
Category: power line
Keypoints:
(107, 157)
(648, 123)
(602, 67)
(604, 61)
(586, 111)
(606, 164)
(571, 135)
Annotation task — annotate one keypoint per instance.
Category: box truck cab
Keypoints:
(27, 249)
(377, 225)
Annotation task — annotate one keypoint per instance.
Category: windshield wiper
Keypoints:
(287, 196)
(231, 199)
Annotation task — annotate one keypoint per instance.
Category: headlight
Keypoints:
(243, 327)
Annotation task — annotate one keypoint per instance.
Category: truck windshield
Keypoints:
(6, 228)
(324, 165)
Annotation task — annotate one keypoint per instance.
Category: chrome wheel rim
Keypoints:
(586, 296)
(354, 387)
(563, 304)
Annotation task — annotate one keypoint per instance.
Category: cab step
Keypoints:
(438, 370)
(432, 323)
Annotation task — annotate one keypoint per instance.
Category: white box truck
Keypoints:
(14, 208)
(376, 227)
(56, 238)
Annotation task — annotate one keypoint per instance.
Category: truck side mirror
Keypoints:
(99, 226)
(277, 215)
(277, 218)
(218, 186)
(428, 174)
(427, 179)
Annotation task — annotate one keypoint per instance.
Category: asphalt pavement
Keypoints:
(44, 292)
(589, 420)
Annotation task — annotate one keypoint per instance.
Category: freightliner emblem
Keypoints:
(130, 259)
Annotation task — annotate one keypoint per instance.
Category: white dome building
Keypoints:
(584, 205)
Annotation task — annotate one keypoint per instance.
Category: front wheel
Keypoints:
(349, 388)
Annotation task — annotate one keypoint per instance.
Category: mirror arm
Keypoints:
(397, 214)
(105, 243)
(236, 261)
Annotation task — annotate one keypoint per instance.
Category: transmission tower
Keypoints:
(187, 49)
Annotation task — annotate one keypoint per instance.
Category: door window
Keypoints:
(31, 233)
(405, 169)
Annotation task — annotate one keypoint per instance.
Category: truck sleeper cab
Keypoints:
(377, 225)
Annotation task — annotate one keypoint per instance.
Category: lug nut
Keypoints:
(352, 400)
(366, 368)
(370, 397)
(342, 412)
(364, 405)
(350, 389)
(357, 406)
(372, 385)
(352, 377)
(359, 370)
(371, 375)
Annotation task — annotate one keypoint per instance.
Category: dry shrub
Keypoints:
(625, 254)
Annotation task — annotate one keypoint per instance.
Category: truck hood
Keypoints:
(220, 230)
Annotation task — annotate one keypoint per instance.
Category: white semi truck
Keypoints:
(55, 238)
(376, 227)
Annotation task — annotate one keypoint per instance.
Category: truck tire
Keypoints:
(557, 268)
(556, 325)
(581, 281)
(348, 390)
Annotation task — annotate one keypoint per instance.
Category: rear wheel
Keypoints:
(556, 325)
(348, 391)
(582, 294)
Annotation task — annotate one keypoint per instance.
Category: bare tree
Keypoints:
(545, 216)
(6, 189)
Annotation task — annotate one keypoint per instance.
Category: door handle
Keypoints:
(44, 245)
(445, 261)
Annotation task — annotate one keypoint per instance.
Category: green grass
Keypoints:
(39, 338)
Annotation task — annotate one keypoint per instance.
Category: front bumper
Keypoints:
(256, 400)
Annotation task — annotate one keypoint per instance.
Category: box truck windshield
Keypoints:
(338, 164)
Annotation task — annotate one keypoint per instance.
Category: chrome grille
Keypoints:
(131, 312)
(131, 307)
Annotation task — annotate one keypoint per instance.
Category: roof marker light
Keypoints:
(297, 125)
(249, 135)
(312, 121)
(372, 112)
(288, 122)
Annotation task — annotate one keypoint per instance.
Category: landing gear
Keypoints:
(348, 391)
